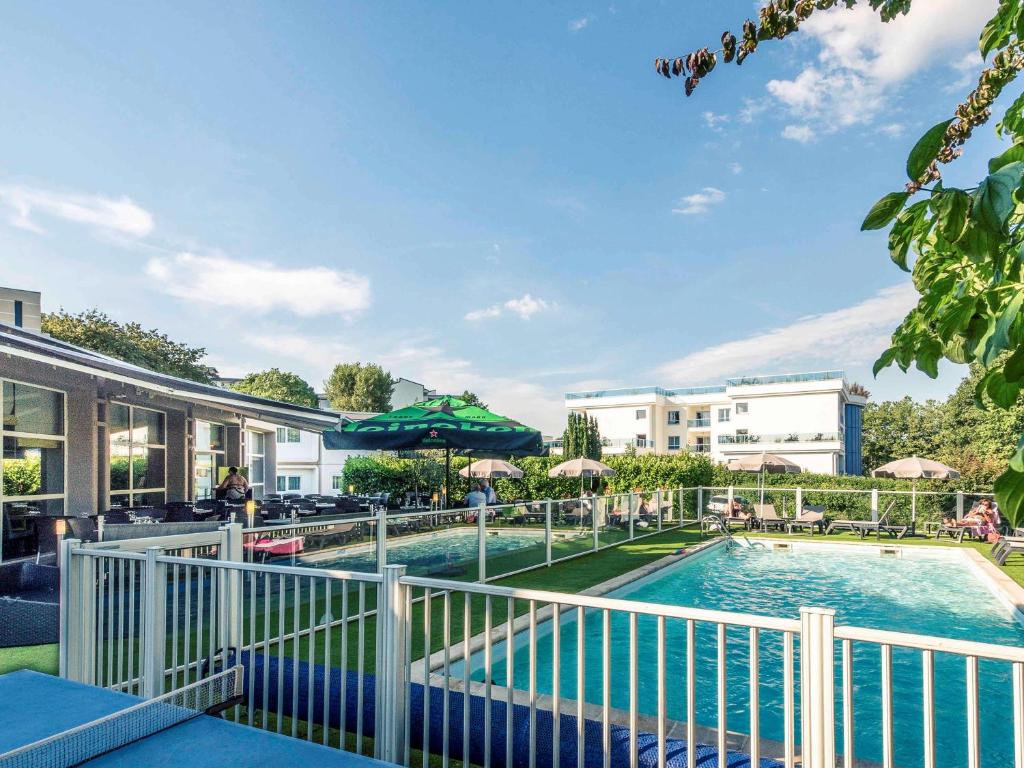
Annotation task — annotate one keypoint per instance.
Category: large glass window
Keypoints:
(32, 471)
(138, 456)
(256, 443)
(209, 458)
(288, 435)
(289, 483)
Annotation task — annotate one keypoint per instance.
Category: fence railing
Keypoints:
(476, 543)
(390, 663)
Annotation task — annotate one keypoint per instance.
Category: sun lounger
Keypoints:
(1006, 546)
(810, 518)
(864, 527)
(768, 518)
(334, 536)
(953, 531)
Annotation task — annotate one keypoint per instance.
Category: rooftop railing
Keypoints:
(785, 378)
(743, 381)
(789, 437)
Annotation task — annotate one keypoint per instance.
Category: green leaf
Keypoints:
(1014, 154)
(951, 210)
(1014, 367)
(1013, 119)
(1000, 338)
(927, 356)
(996, 33)
(1017, 460)
(994, 198)
(884, 361)
(884, 210)
(956, 316)
(1003, 393)
(926, 149)
(955, 350)
(1009, 488)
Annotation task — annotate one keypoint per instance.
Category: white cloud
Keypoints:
(736, 168)
(260, 287)
(847, 336)
(714, 121)
(894, 130)
(801, 133)
(967, 68)
(121, 215)
(699, 202)
(525, 306)
(577, 25)
(861, 60)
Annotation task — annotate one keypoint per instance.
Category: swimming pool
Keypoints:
(442, 553)
(928, 592)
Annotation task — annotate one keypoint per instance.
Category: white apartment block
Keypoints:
(22, 309)
(812, 419)
(305, 466)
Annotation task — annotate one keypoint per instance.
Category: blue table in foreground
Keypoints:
(34, 706)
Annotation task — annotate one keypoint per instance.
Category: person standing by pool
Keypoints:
(476, 497)
(488, 492)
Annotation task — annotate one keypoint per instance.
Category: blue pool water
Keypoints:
(440, 553)
(922, 595)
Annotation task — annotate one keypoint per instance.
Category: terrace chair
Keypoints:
(1005, 547)
(334, 536)
(180, 514)
(860, 526)
(768, 518)
(810, 517)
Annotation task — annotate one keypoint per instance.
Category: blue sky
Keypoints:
(501, 198)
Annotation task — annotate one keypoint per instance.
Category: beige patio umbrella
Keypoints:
(763, 463)
(581, 468)
(491, 468)
(915, 468)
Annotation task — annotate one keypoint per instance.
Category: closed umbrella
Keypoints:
(762, 463)
(581, 468)
(915, 468)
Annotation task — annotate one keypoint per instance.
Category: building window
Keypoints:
(673, 442)
(138, 456)
(723, 415)
(256, 444)
(288, 435)
(641, 441)
(741, 408)
(288, 483)
(338, 482)
(19, 313)
(673, 417)
(209, 458)
(641, 413)
(32, 471)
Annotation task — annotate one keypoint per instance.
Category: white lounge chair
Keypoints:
(768, 518)
(810, 517)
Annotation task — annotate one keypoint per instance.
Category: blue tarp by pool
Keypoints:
(256, 665)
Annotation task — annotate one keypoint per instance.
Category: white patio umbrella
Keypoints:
(491, 468)
(581, 468)
(915, 468)
(763, 463)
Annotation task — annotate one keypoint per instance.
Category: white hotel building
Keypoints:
(812, 419)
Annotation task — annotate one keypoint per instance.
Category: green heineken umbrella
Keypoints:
(445, 422)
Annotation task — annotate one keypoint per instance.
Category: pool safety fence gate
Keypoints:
(389, 664)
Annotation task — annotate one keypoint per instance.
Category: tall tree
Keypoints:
(358, 387)
(130, 342)
(472, 399)
(895, 429)
(278, 385)
(961, 245)
(581, 437)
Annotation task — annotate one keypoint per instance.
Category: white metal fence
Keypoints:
(553, 679)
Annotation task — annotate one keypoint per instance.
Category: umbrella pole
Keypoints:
(447, 475)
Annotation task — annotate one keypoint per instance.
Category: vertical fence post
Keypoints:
(657, 505)
(547, 532)
(700, 502)
(959, 505)
(391, 703)
(154, 590)
(874, 504)
(100, 525)
(730, 492)
(229, 589)
(593, 519)
(70, 615)
(83, 585)
(799, 502)
(634, 505)
(817, 687)
(382, 538)
(481, 528)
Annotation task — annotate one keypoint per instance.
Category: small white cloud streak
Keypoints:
(736, 168)
(699, 202)
(801, 133)
(525, 307)
(578, 25)
(104, 213)
(260, 287)
(851, 335)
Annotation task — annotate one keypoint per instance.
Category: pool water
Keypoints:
(441, 553)
(918, 594)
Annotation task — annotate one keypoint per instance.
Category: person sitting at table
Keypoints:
(488, 492)
(234, 486)
(476, 497)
